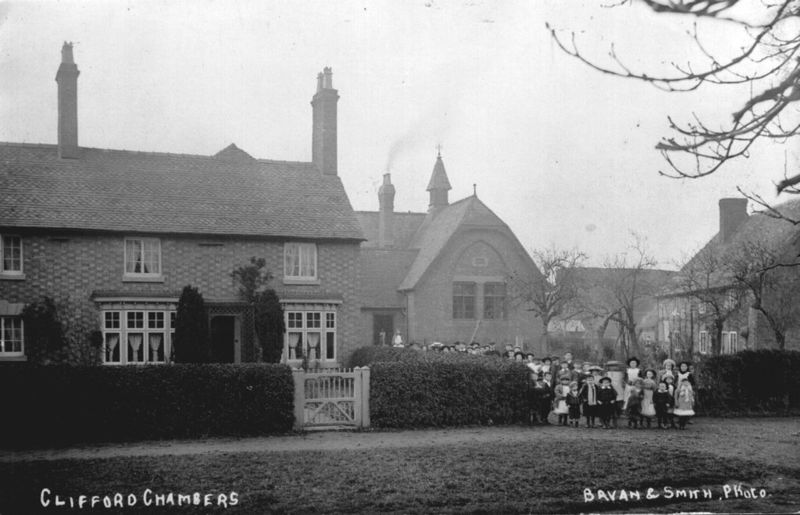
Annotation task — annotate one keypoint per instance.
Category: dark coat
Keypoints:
(663, 401)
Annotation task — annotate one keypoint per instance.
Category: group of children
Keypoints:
(573, 389)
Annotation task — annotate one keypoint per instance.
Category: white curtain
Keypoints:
(294, 340)
(155, 345)
(313, 345)
(112, 340)
(135, 342)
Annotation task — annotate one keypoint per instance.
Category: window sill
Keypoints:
(143, 278)
(13, 358)
(298, 281)
(11, 277)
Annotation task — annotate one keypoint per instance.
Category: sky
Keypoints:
(563, 154)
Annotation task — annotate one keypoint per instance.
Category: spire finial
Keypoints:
(439, 151)
(474, 189)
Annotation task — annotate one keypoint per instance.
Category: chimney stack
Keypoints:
(323, 136)
(732, 213)
(67, 79)
(386, 213)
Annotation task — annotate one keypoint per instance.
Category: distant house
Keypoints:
(441, 275)
(689, 311)
(117, 234)
(592, 317)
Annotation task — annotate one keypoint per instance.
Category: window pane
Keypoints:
(313, 320)
(494, 298)
(294, 342)
(330, 320)
(111, 319)
(111, 344)
(156, 347)
(135, 319)
(330, 345)
(133, 256)
(464, 300)
(155, 320)
(312, 340)
(12, 254)
(151, 252)
(291, 263)
(136, 348)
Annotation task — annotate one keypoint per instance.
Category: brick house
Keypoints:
(441, 275)
(688, 316)
(114, 235)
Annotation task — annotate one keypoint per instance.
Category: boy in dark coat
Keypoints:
(606, 401)
(546, 397)
(663, 402)
(634, 405)
(589, 400)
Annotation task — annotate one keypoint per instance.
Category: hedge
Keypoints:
(411, 388)
(59, 405)
(760, 382)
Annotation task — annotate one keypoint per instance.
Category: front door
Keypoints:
(383, 329)
(223, 339)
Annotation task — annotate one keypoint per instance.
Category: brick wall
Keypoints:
(431, 308)
(73, 266)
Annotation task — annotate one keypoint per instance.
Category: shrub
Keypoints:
(45, 339)
(749, 382)
(61, 405)
(191, 328)
(269, 324)
(411, 388)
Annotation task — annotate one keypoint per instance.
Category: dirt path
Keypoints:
(775, 441)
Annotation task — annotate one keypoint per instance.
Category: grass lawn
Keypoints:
(539, 476)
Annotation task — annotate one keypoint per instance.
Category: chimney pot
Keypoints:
(386, 214)
(67, 79)
(323, 133)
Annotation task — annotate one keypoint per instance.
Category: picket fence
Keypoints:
(331, 398)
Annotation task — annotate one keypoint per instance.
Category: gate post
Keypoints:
(357, 413)
(299, 376)
(365, 422)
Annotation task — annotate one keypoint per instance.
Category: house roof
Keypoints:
(405, 226)
(437, 230)
(117, 190)
(381, 271)
(780, 237)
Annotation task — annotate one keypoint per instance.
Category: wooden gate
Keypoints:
(331, 398)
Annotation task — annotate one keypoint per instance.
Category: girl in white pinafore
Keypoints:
(648, 388)
(632, 374)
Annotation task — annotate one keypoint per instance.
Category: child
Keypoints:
(671, 391)
(663, 402)
(577, 373)
(648, 389)
(588, 396)
(668, 370)
(574, 404)
(606, 401)
(560, 403)
(684, 403)
(634, 404)
(564, 372)
(546, 399)
(545, 366)
(631, 374)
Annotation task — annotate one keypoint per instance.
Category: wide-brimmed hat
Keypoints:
(687, 364)
(633, 359)
(655, 373)
(669, 362)
(606, 378)
(595, 367)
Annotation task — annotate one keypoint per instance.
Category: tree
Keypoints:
(705, 280)
(550, 294)
(767, 60)
(774, 285)
(45, 334)
(191, 328)
(253, 282)
(627, 281)
(269, 325)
